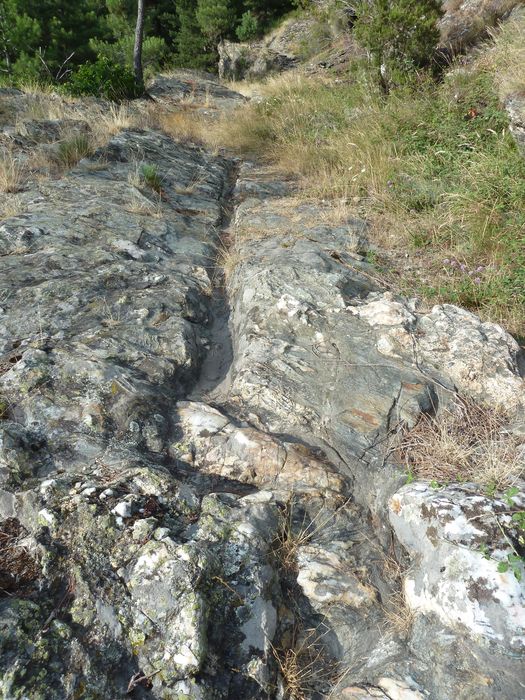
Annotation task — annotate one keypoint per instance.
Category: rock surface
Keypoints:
(251, 61)
(465, 22)
(195, 485)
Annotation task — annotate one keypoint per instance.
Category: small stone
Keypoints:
(123, 509)
(161, 532)
(47, 485)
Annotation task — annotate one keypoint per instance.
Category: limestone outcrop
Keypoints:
(197, 488)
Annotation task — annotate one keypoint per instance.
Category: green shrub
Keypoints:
(248, 28)
(154, 52)
(401, 35)
(103, 79)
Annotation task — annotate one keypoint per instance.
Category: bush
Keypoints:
(103, 79)
(248, 28)
(154, 52)
(401, 35)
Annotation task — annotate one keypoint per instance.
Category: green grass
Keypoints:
(433, 166)
(72, 150)
(151, 177)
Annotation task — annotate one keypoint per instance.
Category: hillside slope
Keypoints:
(235, 461)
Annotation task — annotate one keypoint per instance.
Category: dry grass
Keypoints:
(433, 167)
(506, 59)
(302, 127)
(116, 119)
(304, 664)
(464, 442)
(184, 125)
(229, 256)
(19, 571)
(12, 173)
(295, 532)
(10, 205)
(145, 207)
(399, 616)
(466, 22)
(45, 105)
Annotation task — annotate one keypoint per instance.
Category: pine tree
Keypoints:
(216, 18)
(191, 43)
(19, 34)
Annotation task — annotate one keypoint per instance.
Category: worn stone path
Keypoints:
(198, 385)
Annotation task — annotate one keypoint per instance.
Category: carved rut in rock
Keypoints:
(196, 495)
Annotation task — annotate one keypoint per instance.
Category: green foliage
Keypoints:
(37, 36)
(192, 47)
(151, 177)
(19, 35)
(154, 52)
(103, 79)
(514, 564)
(215, 17)
(248, 28)
(401, 35)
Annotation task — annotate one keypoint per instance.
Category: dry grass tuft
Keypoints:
(184, 125)
(399, 616)
(304, 664)
(464, 442)
(12, 173)
(117, 118)
(229, 257)
(10, 205)
(296, 530)
(19, 571)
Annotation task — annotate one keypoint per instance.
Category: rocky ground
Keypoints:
(201, 380)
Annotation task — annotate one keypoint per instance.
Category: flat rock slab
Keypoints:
(323, 355)
(104, 292)
(193, 88)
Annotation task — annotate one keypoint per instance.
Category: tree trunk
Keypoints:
(137, 50)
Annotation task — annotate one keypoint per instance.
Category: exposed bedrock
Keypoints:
(196, 483)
